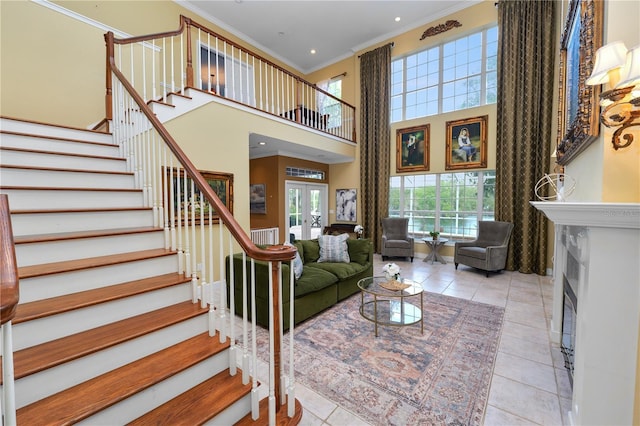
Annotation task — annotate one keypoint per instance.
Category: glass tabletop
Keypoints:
(373, 285)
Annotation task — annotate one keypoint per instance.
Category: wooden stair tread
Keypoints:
(49, 354)
(57, 138)
(83, 400)
(90, 262)
(281, 415)
(56, 305)
(64, 169)
(66, 154)
(69, 188)
(60, 126)
(200, 403)
(85, 210)
(40, 238)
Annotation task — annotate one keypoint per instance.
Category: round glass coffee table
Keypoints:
(389, 306)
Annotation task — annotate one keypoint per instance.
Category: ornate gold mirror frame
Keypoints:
(578, 115)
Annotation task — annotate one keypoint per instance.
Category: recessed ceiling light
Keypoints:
(262, 143)
(397, 19)
(313, 51)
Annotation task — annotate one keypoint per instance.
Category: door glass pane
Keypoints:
(316, 212)
(295, 212)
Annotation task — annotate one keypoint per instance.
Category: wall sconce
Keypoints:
(621, 104)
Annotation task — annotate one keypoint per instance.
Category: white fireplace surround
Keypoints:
(607, 237)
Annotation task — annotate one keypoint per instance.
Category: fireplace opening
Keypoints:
(569, 328)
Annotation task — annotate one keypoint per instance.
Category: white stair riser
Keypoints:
(39, 143)
(10, 176)
(47, 130)
(35, 332)
(42, 384)
(163, 112)
(232, 414)
(31, 159)
(40, 223)
(42, 199)
(44, 287)
(142, 402)
(79, 248)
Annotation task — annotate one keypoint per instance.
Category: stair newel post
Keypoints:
(10, 292)
(189, 70)
(291, 400)
(108, 94)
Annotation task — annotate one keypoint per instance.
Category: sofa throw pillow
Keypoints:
(297, 262)
(333, 248)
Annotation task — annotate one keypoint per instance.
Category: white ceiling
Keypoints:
(288, 30)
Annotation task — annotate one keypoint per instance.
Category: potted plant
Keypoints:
(434, 234)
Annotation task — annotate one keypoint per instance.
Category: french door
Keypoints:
(306, 209)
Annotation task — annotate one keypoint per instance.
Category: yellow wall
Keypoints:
(53, 65)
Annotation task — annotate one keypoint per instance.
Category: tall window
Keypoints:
(451, 203)
(455, 75)
(331, 106)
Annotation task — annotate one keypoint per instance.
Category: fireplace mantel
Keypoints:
(608, 306)
(608, 215)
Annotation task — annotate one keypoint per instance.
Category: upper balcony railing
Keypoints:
(196, 57)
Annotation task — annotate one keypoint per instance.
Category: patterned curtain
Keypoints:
(375, 71)
(526, 60)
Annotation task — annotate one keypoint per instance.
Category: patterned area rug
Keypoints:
(403, 377)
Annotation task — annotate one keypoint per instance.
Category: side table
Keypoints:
(435, 246)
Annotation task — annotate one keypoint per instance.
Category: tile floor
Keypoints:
(529, 385)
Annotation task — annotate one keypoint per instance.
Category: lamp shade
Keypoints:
(608, 58)
(630, 75)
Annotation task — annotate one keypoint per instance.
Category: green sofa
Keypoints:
(320, 286)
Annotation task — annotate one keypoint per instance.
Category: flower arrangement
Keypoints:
(392, 271)
(358, 229)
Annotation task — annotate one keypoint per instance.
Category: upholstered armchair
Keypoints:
(487, 252)
(396, 241)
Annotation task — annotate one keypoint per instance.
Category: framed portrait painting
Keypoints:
(221, 183)
(346, 205)
(466, 143)
(412, 149)
(578, 115)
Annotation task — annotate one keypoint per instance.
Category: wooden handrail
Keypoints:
(275, 253)
(10, 291)
(187, 23)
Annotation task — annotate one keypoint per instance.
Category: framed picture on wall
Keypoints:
(412, 149)
(346, 205)
(221, 183)
(466, 143)
(258, 200)
(578, 113)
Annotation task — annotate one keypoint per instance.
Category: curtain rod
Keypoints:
(391, 44)
(344, 74)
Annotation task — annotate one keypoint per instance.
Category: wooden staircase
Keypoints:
(106, 331)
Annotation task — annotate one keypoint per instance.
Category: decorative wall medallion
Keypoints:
(435, 30)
